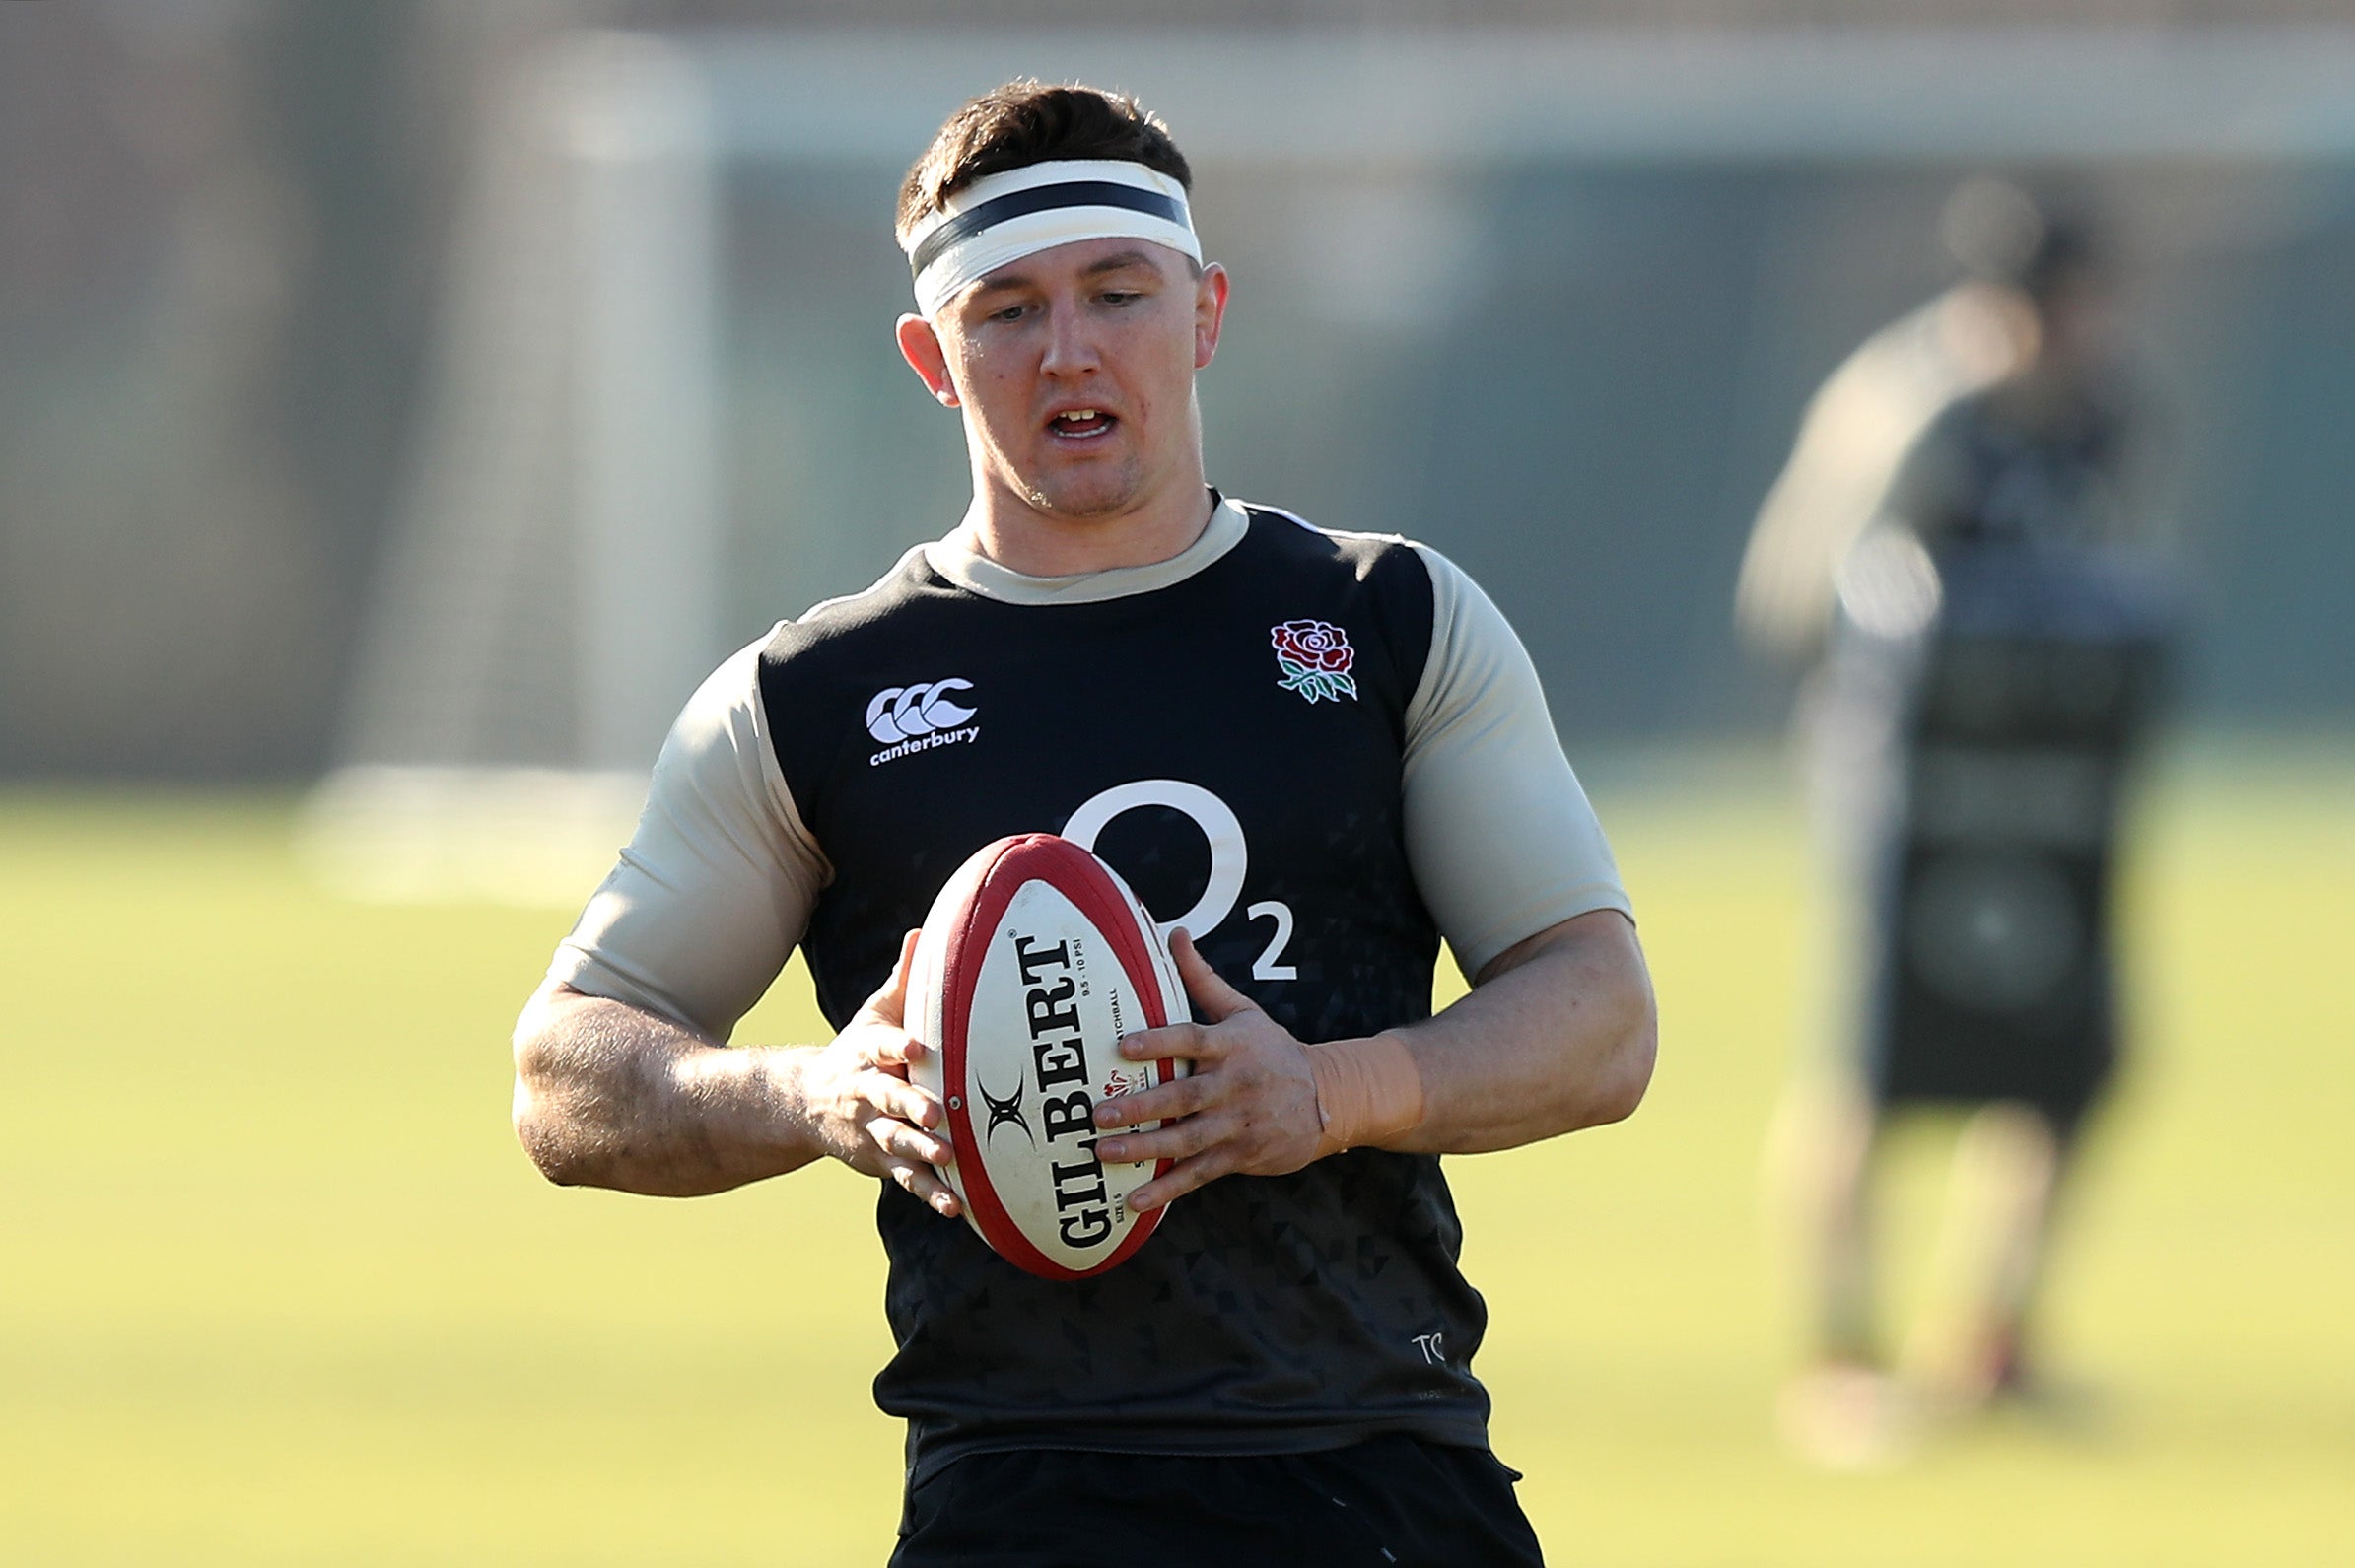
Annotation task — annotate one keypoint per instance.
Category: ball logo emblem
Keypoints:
(1005, 1109)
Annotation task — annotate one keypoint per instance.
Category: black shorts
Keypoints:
(2057, 1059)
(1391, 1499)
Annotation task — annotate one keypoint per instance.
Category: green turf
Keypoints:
(275, 1285)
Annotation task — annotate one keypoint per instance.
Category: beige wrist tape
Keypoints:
(1368, 1090)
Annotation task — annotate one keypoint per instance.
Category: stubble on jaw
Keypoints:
(1085, 492)
(1122, 497)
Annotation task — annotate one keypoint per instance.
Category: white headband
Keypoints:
(1003, 218)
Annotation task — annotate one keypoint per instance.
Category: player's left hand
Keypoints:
(1250, 1105)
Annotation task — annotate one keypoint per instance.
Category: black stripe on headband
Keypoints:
(1043, 199)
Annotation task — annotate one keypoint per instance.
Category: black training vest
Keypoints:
(917, 722)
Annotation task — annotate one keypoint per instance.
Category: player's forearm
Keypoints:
(609, 1095)
(1559, 1035)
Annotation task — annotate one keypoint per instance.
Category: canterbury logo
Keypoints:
(903, 712)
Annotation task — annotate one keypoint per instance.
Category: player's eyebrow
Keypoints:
(1116, 263)
(1118, 260)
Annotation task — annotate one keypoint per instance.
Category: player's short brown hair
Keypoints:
(1027, 122)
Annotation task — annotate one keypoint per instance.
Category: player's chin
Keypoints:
(1086, 489)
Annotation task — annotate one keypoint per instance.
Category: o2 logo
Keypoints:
(1230, 857)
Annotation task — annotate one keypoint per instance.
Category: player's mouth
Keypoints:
(1081, 425)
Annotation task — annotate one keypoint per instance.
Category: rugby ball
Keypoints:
(1034, 962)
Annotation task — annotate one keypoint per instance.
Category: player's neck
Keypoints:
(1006, 528)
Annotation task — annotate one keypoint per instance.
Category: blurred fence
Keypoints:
(1549, 299)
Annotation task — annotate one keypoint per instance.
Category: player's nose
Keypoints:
(1070, 348)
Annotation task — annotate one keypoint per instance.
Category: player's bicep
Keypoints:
(1500, 837)
(715, 888)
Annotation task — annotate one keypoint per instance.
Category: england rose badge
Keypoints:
(1314, 657)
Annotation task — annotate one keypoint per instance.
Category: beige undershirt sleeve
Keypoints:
(1499, 835)
(716, 887)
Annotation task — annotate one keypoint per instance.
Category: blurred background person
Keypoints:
(1960, 551)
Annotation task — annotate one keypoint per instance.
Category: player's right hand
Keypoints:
(870, 1115)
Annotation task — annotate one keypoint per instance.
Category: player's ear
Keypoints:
(1209, 314)
(920, 346)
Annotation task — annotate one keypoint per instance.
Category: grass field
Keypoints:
(276, 1286)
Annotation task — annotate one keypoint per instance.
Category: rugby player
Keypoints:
(1958, 547)
(1316, 754)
